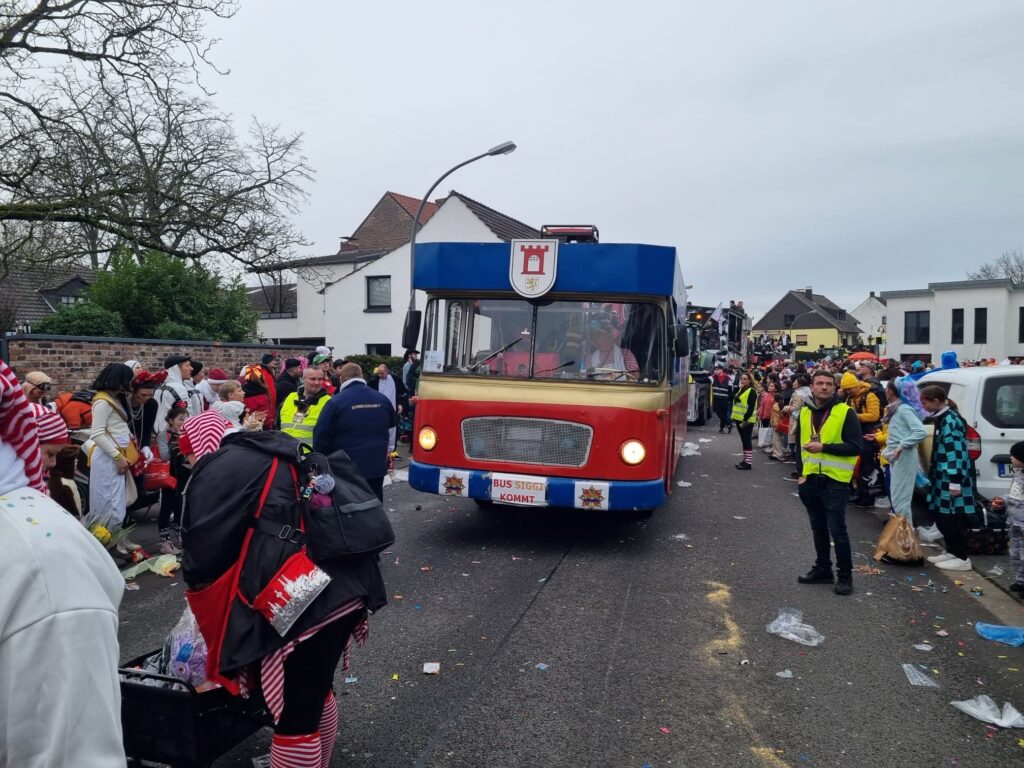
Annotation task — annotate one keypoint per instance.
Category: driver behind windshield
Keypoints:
(609, 356)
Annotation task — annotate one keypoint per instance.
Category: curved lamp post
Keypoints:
(411, 329)
(789, 330)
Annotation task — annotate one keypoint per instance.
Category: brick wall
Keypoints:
(73, 361)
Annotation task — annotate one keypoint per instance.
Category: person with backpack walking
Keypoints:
(274, 589)
(744, 416)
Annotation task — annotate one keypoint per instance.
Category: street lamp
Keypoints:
(411, 329)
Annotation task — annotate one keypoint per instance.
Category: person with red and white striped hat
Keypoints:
(58, 608)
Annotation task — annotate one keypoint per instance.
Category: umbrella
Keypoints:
(863, 356)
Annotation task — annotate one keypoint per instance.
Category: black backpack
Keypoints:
(220, 501)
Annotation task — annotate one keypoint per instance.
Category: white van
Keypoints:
(991, 401)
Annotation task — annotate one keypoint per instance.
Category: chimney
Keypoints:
(809, 293)
(871, 294)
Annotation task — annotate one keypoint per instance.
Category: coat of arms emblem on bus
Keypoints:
(592, 498)
(454, 483)
(533, 267)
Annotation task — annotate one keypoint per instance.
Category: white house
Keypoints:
(871, 314)
(355, 300)
(975, 318)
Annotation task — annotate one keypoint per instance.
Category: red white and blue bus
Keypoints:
(554, 374)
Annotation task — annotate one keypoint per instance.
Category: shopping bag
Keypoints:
(158, 476)
(764, 437)
(898, 543)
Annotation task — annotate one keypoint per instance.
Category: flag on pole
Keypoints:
(716, 316)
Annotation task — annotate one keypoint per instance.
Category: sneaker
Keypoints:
(844, 586)
(882, 503)
(940, 558)
(795, 475)
(955, 564)
(791, 479)
(743, 465)
(167, 548)
(789, 461)
(1017, 587)
(772, 458)
(816, 576)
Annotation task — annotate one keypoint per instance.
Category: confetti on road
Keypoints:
(432, 668)
(683, 484)
(665, 730)
(681, 537)
(541, 666)
(923, 647)
(786, 673)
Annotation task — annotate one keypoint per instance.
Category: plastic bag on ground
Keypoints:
(184, 653)
(1001, 634)
(929, 534)
(691, 449)
(917, 677)
(984, 709)
(789, 625)
(164, 565)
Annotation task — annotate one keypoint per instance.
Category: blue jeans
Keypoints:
(826, 500)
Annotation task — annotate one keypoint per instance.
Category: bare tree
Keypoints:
(111, 151)
(1009, 265)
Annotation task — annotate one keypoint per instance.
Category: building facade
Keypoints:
(811, 321)
(355, 301)
(974, 318)
(871, 315)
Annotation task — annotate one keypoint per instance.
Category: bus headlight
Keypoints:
(427, 438)
(632, 452)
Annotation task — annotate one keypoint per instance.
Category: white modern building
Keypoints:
(974, 318)
(871, 315)
(355, 300)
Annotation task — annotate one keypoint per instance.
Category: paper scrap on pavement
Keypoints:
(683, 484)
(691, 449)
(432, 668)
(786, 673)
(923, 647)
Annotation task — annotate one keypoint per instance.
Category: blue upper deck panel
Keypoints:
(601, 268)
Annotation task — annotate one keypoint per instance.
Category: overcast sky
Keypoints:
(849, 146)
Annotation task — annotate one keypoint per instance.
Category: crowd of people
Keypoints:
(138, 435)
(852, 431)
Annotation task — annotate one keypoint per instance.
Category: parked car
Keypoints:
(991, 401)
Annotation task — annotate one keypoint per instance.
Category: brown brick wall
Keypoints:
(73, 362)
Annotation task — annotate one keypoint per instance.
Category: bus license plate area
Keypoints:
(1003, 471)
(524, 490)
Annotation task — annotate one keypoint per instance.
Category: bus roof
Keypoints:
(602, 268)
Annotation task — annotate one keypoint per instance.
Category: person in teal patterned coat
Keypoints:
(950, 479)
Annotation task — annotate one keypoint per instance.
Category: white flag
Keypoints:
(716, 316)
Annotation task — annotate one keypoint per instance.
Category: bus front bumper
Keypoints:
(537, 490)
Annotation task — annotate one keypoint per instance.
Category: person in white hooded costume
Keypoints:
(60, 700)
(177, 387)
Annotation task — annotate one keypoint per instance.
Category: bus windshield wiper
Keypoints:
(556, 368)
(493, 355)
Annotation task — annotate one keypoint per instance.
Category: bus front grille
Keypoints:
(527, 441)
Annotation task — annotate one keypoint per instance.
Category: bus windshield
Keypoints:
(560, 339)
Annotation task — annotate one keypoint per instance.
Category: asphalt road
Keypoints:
(653, 636)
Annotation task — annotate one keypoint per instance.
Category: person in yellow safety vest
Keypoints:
(301, 409)
(830, 443)
(744, 415)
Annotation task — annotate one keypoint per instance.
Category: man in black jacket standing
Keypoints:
(357, 420)
(830, 443)
(289, 379)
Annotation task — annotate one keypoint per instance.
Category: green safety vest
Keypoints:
(740, 403)
(301, 430)
(839, 468)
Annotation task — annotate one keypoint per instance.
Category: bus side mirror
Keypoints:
(411, 329)
(682, 341)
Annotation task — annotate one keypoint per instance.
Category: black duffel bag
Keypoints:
(986, 530)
